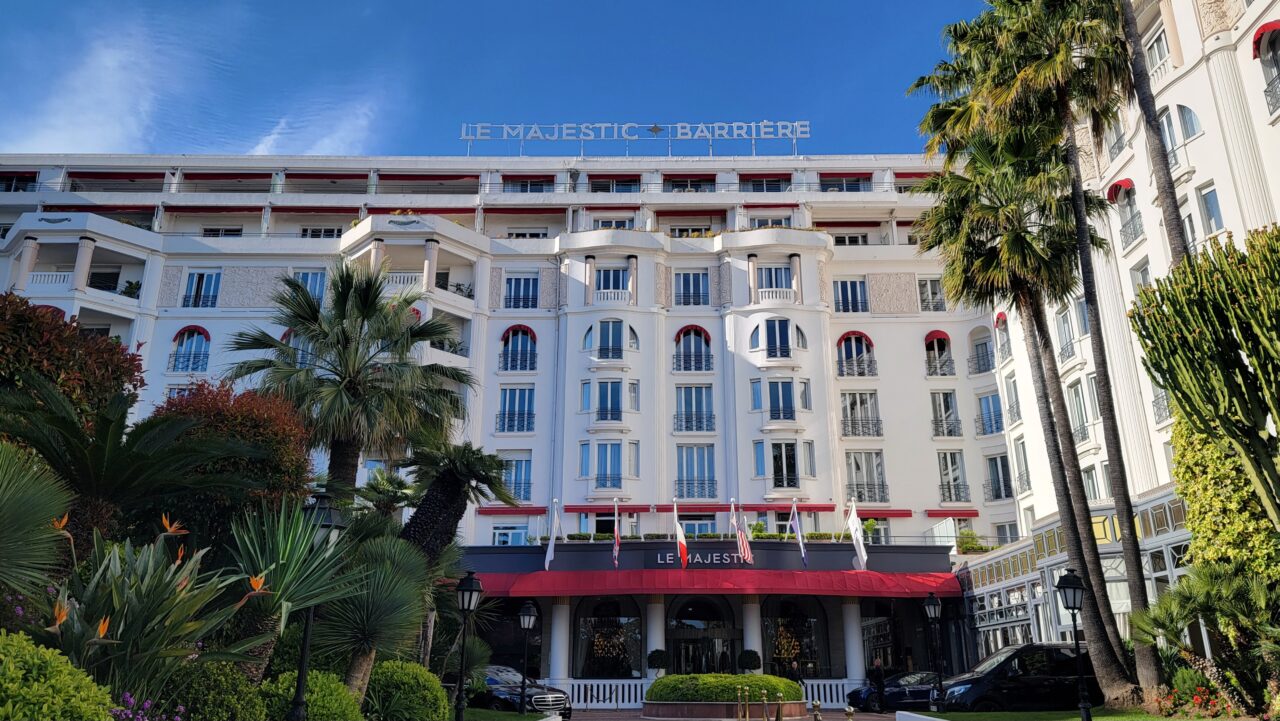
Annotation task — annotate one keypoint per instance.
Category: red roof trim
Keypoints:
(19, 174)
(225, 176)
(936, 335)
(424, 177)
(1114, 191)
(695, 328)
(856, 334)
(213, 208)
(764, 176)
(98, 208)
(697, 213)
(839, 175)
(694, 508)
(113, 175)
(608, 508)
(804, 507)
(865, 513)
(906, 223)
(313, 209)
(1261, 32)
(511, 511)
(544, 178)
(848, 223)
(290, 175)
(195, 328)
(613, 176)
(754, 206)
(524, 211)
(507, 333)
(423, 211)
(737, 581)
(913, 174)
(952, 513)
(688, 176)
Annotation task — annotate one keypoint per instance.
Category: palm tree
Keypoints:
(453, 476)
(110, 466)
(1002, 227)
(347, 363)
(32, 500)
(389, 492)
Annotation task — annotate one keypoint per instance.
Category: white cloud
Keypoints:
(343, 132)
(268, 144)
(348, 134)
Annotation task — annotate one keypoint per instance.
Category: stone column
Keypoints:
(561, 633)
(152, 270)
(589, 281)
(632, 286)
(752, 291)
(655, 628)
(480, 282)
(84, 257)
(855, 664)
(377, 254)
(26, 263)
(479, 220)
(797, 288)
(1170, 21)
(1243, 156)
(752, 629)
(431, 254)
(266, 219)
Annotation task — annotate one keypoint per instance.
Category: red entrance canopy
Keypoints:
(736, 581)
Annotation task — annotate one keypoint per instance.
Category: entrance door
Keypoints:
(702, 637)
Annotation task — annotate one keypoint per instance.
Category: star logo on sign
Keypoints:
(655, 129)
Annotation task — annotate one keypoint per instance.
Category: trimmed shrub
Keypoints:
(40, 683)
(818, 536)
(658, 659)
(748, 660)
(405, 691)
(327, 697)
(217, 692)
(721, 687)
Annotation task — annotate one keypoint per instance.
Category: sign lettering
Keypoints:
(753, 130)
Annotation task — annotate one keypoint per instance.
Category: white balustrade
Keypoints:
(1160, 70)
(613, 296)
(57, 280)
(586, 693)
(832, 693)
(786, 295)
(398, 281)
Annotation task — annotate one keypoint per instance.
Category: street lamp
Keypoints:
(328, 522)
(469, 592)
(933, 610)
(528, 618)
(1071, 591)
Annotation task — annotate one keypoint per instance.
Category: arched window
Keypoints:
(937, 350)
(607, 638)
(1190, 123)
(855, 355)
(519, 349)
(633, 338)
(1266, 47)
(699, 635)
(1002, 334)
(693, 349)
(982, 356)
(190, 351)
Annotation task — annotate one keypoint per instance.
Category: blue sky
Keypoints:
(399, 78)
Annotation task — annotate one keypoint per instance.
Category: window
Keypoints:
(539, 185)
(178, 391)
(1269, 53)
(1076, 411)
(519, 350)
(1169, 135)
(864, 474)
(937, 356)
(1090, 478)
(584, 459)
(1114, 139)
(1140, 274)
(611, 279)
(1066, 339)
(951, 476)
(848, 185)
(585, 404)
(521, 291)
(1000, 484)
(764, 185)
(190, 352)
(689, 185)
(850, 239)
(202, 289)
(1020, 461)
(879, 534)
(313, 281)
(1006, 533)
(320, 232)
(773, 276)
(692, 288)
(519, 233)
(946, 419)
(806, 398)
(860, 413)
(757, 402)
(511, 534)
(777, 338)
(781, 401)
(783, 464)
(783, 222)
(1092, 380)
(1190, 123)
(854, 356)
(931, 298)
(608, 400)
(757, 449)
(633, 458)
(694, 411)
(1210, 210)
(610, 339)
(609, 464)
(693, 350)
(695, 471)
(689, 231)
(693, 526)
(990, 414)
(1157, 50)
(633, 395)
(615, 185)
(1082, 315)
(615, 223)
(810, 458)
(515, 409)
(517, 473)
(1188, 226)
(851, 296)
(222, 231)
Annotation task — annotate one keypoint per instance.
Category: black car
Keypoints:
(1029, 677)
(902, 691)
(502, 693)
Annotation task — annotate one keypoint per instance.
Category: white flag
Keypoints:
(859, 539)
(555, 530)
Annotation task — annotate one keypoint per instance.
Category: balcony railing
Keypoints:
(782, 414)
(691, 362)
(954, 492)
(613, 296)
(608, 480)
(851, 306)
(1006, 349)
(520, 301)
(982, 363)
(862, 427)
(1080, 433)
(786, 295)
(1131, 230)
(860, 367)
(695, 488)
(609, 352)
(998, 489)
(989, 423)
(947, 427)
(1068, 350)
(1160, 406)
(1159, 70)
(939, 366)
(55, 280)
(518, 361)
(869, 492)
(188, 362)
(1272, 93)
(694, 422)
(608, 414)
(514, 423)
(1023, 482)
(397, 281)
(933, 305)
(785, 480)
(200, 301)
(693, 298)
(778, 351)
(452, 347)
(1116, 147)
(1014, 412)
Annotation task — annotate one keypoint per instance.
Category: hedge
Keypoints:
(41, 683)
(405, 691)
(721, 687)
(327, 697)
(217, 691)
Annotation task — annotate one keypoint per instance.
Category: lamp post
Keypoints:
(1071, 592)
(469, 592)
(933, 610)
(528, 617)
(329, 523)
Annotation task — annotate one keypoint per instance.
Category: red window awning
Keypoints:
(530, 178)
(738, 581)
(906, 223)
(524, 211)
(213, 209)
(613, 176)
(688, 176)
(936, 335)
(952, 513)
(313, 210)
(607, 508)
(695, 213)
(1261, 32)
(326, 176)
(696, 329)
(113, 175)
(1001, 320)
(911, 174)
(407, 177)
(190, 328)
(1114, 191)
(867, 512)
(855, 334)
(516, 328)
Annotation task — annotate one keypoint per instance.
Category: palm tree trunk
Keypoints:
(1107, 666)
(1158, 155)
(260, 624)
(434, 523)
(344, 459)
(428, 635)
(358, 670)
(1148, 673)
(88, 515)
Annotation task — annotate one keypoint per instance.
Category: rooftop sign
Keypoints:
(754, 130)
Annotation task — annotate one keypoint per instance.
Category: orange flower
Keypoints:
(182, 551)
(61, 523)
(255, 582)
(59, 613)
(103, 625)
(171, 529)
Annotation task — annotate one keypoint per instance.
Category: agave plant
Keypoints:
(32, 505)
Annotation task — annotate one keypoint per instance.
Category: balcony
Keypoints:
(609, 352)
(785, 480)
(695, 488)
(868, 492)
(452, 346)
(1160, 69)
(857, 367)
(982, 363)
(778, 351)
(1131, 230)
(50, 281)
(989, 423)
(998, 489)
(1067, 351)
(947, 428)
(520, 301)
(604, 297)
(1006, 349)
(188, 363)
(514, 423)
(1023, 482)
(693, 299)
(782, 414)
(200, 301)
(691, 362)
(608, 414)
(397, 282)
(933, 305)
(779, 295)
(954, 492)
(851, 306)
(939, 366)
(518, 361)
(694, 422)
(862, 427)
(463, 290)
(608, 480)
(1272, 92)
(1116, 147)
(1080, 433)
(1160, 406)
(1014, 412)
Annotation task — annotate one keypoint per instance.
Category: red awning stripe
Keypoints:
(803, 507)
(99, 209)
(532, 336)
(1261, 32)
(913, 174)
(213, 208)
(608, 508)
(407, 177)
(764, 176)
(875, 584)
(855, 334)
(696, 213)
(524, 211)
(1114, 191)
(531, 178)
(613, 176)
(862, 175)
(696, 329)
(936, 335)
(848, 223)
(423, 211)
(195, 328)
(113, 175)
(952, 513)
(325, 176)
(225, 176)
(313, 210)
(906, 223)
(1001, 320)
(688, 176)
(19, 174)
(865, 512)
(511, 511)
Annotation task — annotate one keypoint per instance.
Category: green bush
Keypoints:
(658, 658)
(404, 691)
(327, 697)
(1187, 683)
(284, 657)
(40, 683)
(748, 660)
(721, 687)
(818, 536)
(657, 536)
(217, 692)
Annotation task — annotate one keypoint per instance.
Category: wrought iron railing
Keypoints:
(954, 492)
(982, 363)
(188, 362)
(782, 414)
(1014, 412)
(1116, 147)
(778, 351)
(1272, 92)
(785, 480)
(518, 361)
(851, 305)
(869, 492)
(933, 305)
(696, 487)
(514, 423)
(694, 422)
(703, 298)
(1006, 349)
(1023, 482)
(608, 480)
(949, 427)
(998, 489)
(692, 362)
(609, 352)
(939, 366)
(1080, 433)
(1160, 406)
(1131, 230)
(989, 423)
(200, 301)
(862, 427)
(1068, 350)
(608, 414)
(520, 301)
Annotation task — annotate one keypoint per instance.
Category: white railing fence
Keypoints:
(55, 279)
(586, 693)
(832, 693)
(783, 294)
(613, 296)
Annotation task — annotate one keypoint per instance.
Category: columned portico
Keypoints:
(561, 633)
(752, 638)
(655, 626)
(855, 670)
(430, 256)
(84, 258)
(26, 263)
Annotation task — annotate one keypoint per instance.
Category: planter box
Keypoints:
(716, 710)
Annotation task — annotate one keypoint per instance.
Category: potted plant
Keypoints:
(658, 661)
(748, 660)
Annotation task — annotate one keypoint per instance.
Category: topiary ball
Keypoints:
(217, 692)
(405, 691)
(327, 697)
(41, 683)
